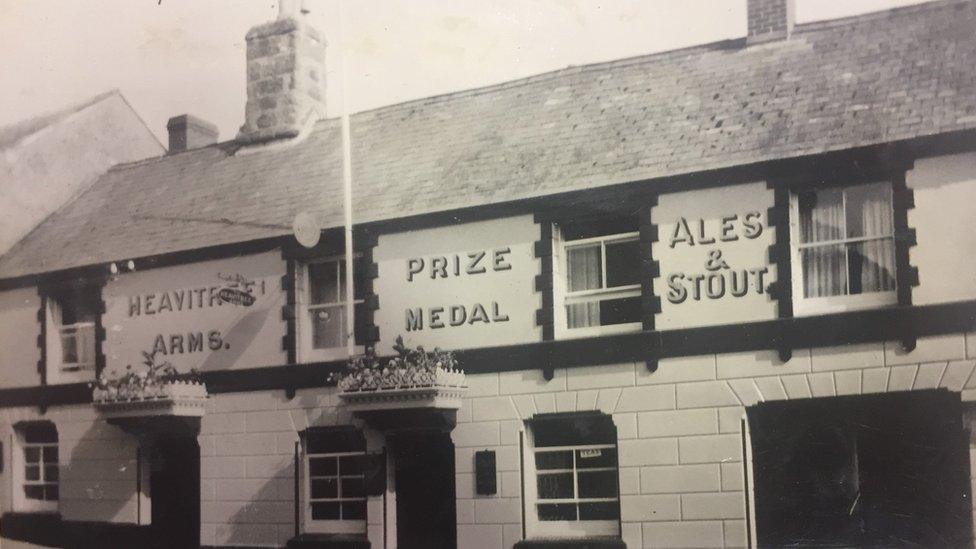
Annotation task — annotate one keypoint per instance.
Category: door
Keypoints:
(425, 491)
(175, 491)
(861, 471)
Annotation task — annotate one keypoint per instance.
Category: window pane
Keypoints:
(583, 315)
(69, 349)
(324, 286)
(353, 488)
(325, 511)
(554, 460)
(328, 440)
(51, 492)
(322, 467)
(583, 268)
(353, 510)
(576, 230)
(351, 465)
(32, 472)
(620, 311)
(327, 327)
(601, 457)
(51, 473)
(623, 263)
(325, 488)
(50, 454)
(871, 266)
(599, 511)
(869, 210)
(41, 431)
(557, 511)
(32, 454)
(555, 485)
(821, 215)
(824, 271)
(34, 492)
(598, 484)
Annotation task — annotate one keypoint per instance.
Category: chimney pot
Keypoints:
(189, 132)
(769, 20)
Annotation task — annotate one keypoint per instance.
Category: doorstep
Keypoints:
(328, 541)
(604, 542)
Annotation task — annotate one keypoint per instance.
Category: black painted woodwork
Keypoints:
(175, 492)
(425, 498)
(887, 324)
(875, 470)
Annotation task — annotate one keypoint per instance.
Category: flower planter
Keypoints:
(173, 398)
(440, 389)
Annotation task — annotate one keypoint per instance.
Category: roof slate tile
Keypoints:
(833, 85)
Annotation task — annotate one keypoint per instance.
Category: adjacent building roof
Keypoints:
(47, 160)
(833, 85)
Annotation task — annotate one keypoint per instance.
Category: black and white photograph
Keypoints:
(497, 274)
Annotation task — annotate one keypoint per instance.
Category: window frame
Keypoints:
(330, 526)
(567, 297)
(305, 350)
(21, 502)
(808, 306)
(59, 371)
(537, 528)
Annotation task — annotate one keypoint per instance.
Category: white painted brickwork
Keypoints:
(679, 429)
(680, 447)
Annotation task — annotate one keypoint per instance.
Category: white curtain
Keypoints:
(583, 272)
(821, 220)
(869, 208)
(855, 267)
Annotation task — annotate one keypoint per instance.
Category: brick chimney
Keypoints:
(189, 132)
(285, 76)
(769, 20)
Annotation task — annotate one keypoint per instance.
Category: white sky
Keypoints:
(170, 57)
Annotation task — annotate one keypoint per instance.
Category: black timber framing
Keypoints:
(568, 201)
(887, 324)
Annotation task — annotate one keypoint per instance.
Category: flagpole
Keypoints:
(346, 194)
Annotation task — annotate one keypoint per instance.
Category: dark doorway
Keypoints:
(425, 491)
(175, 492)
(862, 471)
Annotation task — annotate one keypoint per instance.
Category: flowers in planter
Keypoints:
(156, 380)
(410, 368)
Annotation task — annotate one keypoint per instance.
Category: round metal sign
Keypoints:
(306, 229)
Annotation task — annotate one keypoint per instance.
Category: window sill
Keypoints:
(842, 304)
(595, 542)
(330, 541)
(596, 331)
(328, 355)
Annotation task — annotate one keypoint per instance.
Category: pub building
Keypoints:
(722, 296)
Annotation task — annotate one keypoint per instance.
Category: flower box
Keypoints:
(171, 398)
(414, 378)
(440, 389)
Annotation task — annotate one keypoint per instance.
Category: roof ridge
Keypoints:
(877, 14)
(717, 45)
(49, 118)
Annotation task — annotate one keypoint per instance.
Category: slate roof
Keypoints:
(832, 85)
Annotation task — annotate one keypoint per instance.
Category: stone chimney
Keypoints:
(769, 20)
(285, 76)
(189, 132)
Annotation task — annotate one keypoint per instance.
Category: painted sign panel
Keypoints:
(712, 248)
(463, 286)
(211, 315)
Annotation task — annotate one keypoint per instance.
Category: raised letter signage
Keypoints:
(469, 285)
(712, 248)
(211, 315)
